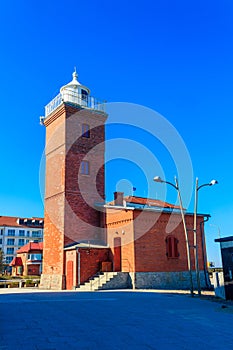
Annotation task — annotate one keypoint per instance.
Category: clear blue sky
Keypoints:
(172, 56)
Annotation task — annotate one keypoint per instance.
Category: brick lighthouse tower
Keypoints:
(75, 135)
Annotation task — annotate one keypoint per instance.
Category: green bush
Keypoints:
(29, 282)
(14, 284)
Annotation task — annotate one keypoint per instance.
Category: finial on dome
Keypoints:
(75, 75)
(74, 85)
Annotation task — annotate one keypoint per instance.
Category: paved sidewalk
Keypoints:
(40, 320)
(37, 290)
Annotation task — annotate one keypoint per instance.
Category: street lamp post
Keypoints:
(78, 252)
(176, 186)
(197, 188)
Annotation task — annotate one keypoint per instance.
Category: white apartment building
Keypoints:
(16, 232)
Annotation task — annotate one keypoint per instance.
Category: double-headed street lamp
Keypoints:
(176, 186)
(197, 188)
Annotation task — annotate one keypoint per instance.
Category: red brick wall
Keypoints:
(150, 246)
(120, 224)
(144, 240)
(53, 254)
(150, 249)
(82, 191)
(90, 263)
(69, 198)
(53, 248)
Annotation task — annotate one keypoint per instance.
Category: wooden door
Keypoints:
(69, 275)
(117, 254)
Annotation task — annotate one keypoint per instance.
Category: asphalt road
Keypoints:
(112, 320)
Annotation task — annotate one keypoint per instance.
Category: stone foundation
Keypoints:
(55, 282)
(121, 281)
(155, 280)
(166, 280)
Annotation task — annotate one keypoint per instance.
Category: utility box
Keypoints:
(226, 245)
(106, 266)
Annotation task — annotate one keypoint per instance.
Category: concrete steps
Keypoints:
(97, 282)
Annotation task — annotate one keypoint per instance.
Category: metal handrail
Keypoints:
(74, 98)
(19, 281)
(100, 277)
(51, 106)
(130, 267)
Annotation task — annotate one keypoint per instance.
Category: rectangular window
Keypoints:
(1, 232)
(85, 130)
(28, 233)
(0, 240)
(10, 250)
(11, 232)
(169, 248)
(21, 233)
(9, 259)
(36, 234)
(85, 167)
(10, 241)
(84, 95)
(172, 247)
(21, 241)
(34, 256)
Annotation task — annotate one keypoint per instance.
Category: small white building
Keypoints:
(16, 232)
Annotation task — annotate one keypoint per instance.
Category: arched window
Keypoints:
(172, 247)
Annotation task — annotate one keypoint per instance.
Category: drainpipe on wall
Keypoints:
(203, 244)
(78, 252)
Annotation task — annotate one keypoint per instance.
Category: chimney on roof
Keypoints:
(118, 198)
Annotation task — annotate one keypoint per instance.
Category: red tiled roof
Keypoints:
(12, 221)
(16, 262)
(150, 202)
(30, 246)
(8, 221)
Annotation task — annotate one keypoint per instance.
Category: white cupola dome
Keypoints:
(74, 85)
(75, 92)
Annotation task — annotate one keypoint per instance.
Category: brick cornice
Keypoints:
(56, 114)
(119, 222)
(70, 110)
